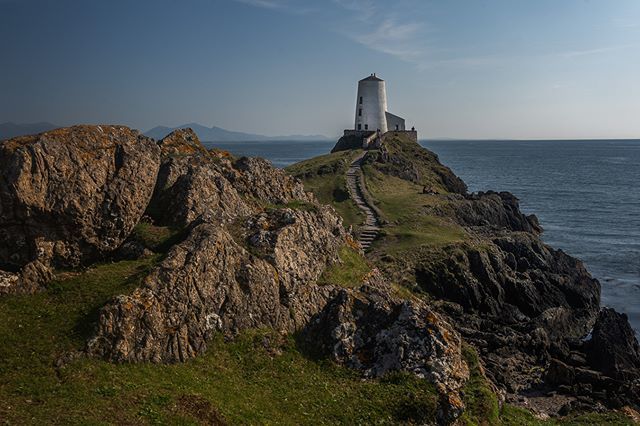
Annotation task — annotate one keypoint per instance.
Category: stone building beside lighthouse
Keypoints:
(373, 122)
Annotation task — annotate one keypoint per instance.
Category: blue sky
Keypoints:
(454, 68)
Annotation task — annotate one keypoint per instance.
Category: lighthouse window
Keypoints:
(360, 112)
(359, 126)
(366, 127)
(360, 100)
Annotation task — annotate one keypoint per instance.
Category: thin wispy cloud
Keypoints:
(394, 38)
(374, 28)
(266, 4)
(362, 10)
(296, 7)
(625, 23)
(595, 51)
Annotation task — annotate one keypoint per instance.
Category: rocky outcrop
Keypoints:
(515, 300)
(191, 184)
(181, 142)
(249, 262)
(260, 273)
(494, 210)
(523, 305)
(72, 195)
(603, 369)
(409, 161)
(371, 330)
(516, 278)
(30, 279)
(258, 179)
(613, 347)
(194, 183)
(188, 188)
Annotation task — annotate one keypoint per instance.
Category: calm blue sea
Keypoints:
(586, 194)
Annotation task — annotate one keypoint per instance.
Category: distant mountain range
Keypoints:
(217, 134)
(11, 130)
(207, 134)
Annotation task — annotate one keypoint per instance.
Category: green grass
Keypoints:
(332, 189)
(350, 272)
(245, 380)
(481, 403)
(156, 238)
(325, 177)
(405, 209)
(328, 164)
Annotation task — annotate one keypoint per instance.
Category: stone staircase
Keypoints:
(355, 185)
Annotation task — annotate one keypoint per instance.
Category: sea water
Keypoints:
(585, 193)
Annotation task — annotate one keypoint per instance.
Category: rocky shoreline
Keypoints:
(251, 247)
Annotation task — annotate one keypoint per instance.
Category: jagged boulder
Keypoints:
(182, 142)
(257, 178)
(371, 330)
(190, 187)
(72, 195)
(604, 369)
(258, 273)
(191, 184)
(613, 347)
(31, 278)
(194, 183)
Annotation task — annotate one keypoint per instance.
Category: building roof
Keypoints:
(372, 77)
(388, 114)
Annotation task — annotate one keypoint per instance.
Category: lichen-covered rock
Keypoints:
(220, 280)
(257, 178)
(194, 183)
(181, 142)
(189, 188)
(371, 330)
(191, 185)
(74, 194)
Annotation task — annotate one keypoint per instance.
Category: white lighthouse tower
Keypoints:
(371, 108)
(371, 105)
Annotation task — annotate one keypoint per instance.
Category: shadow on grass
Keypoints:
(86, 322)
